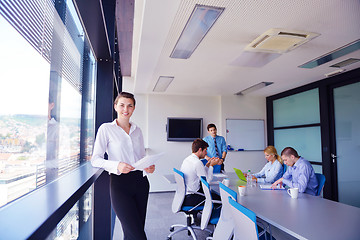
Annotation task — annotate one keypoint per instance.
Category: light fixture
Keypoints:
(254, 88)
(348, 48)
(276, 40)
(336, 72)
(198, 25)
(162, 84)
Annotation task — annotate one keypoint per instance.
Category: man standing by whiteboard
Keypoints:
(217, 147)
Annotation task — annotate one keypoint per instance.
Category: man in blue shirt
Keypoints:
(217, 147)
(299, 174)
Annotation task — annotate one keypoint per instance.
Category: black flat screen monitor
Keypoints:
(184, 129)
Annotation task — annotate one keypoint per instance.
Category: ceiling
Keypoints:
(212, 68)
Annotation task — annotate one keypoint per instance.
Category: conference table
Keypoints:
(307, 217)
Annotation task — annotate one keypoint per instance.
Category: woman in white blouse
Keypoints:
(123, 142)
(273, 170)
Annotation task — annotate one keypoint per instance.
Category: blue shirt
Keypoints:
(270, 172)
(211, 152)
(301, 175)
(221, 145)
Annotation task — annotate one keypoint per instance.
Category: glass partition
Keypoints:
(306, 141)
(347, 131)
(298, 109)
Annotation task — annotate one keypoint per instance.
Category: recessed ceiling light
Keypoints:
(254, 88)
(198, 25)
(336, 72)
(162, 84)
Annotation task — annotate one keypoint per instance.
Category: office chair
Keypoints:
(212, 208)
(284, 168)
(245, 222)
(321, 180)
(225, 227)
(217, 168)
(177, 206)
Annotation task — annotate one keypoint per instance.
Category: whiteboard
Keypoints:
(245, 134)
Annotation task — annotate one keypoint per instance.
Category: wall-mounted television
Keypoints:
(184, 129)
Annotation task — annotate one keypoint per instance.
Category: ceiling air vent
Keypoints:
(345, 62)
(277, 40)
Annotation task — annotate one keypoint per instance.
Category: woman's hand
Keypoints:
(124, 167)
(150, 169)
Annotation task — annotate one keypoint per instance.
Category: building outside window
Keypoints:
(47, 92)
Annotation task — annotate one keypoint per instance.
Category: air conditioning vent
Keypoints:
(280, 41)
(293, 34)
(345, 62)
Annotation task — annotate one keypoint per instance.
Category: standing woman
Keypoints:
(273, 170)
(123, 142)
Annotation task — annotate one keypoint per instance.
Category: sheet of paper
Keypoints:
(268, 187)
(147, 161)
(220, 175)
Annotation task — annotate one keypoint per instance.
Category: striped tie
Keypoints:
(216, 148)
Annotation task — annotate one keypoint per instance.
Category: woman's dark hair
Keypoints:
(124, 95)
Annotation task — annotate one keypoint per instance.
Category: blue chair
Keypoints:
(212, 208)
(217, 168)
(245, 222)
(177, 206)
(225, 227)
(284, 168)
(321, 180)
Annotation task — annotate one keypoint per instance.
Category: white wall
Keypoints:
(151, 115)
(243, 107)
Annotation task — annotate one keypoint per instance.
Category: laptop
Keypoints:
(240, 174)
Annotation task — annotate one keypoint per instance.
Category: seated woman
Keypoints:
(273, 170)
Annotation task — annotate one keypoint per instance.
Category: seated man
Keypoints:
(193, 169)
(299, 174)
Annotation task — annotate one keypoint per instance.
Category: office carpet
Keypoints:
(160, 217)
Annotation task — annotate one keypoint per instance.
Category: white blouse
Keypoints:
(193, 169)
(119, 146)
(270, 172)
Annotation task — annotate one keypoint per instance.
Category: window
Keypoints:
(47, 84)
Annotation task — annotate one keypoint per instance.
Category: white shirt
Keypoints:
(120, 146)
(270, 172)
(193, 169)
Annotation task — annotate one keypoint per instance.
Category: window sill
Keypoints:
(38, 212)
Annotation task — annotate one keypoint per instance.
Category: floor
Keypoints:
(160, 218)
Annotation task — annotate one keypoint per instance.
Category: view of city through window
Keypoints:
(46, 103)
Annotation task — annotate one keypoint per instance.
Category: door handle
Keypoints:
(333, 156)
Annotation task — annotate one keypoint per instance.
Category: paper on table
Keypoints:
(147, 161)
(268, 187)
(221, 175)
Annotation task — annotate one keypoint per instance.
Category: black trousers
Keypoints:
(195, 199)
(129, 196)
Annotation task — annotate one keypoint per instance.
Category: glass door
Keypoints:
(346, 142)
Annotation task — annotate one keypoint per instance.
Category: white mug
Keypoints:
(293, 192)
(242, 190)
(226, 182)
